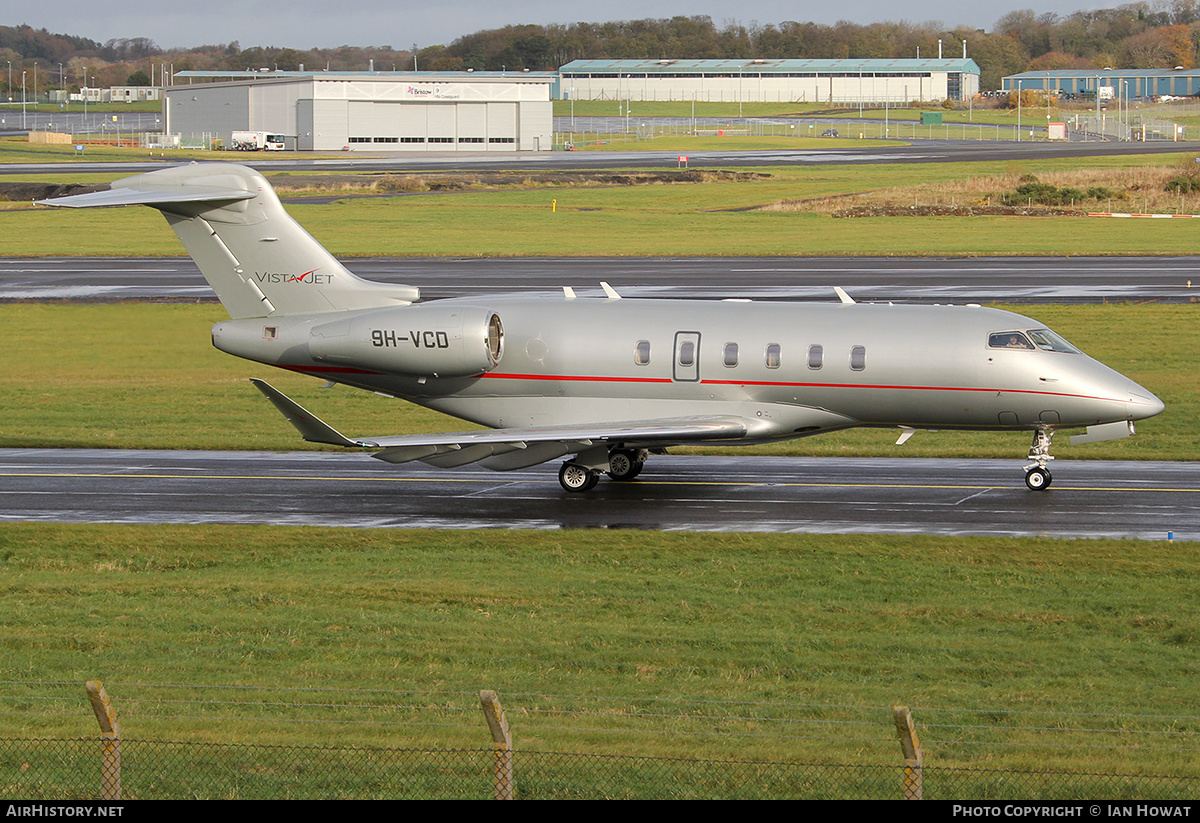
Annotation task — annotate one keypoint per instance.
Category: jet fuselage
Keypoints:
(796, 368)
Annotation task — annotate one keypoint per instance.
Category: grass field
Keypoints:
(582, 634)
(146, 376)
(799, 111)
(1018, 654)
(721, 218)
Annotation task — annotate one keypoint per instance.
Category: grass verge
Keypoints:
(145, 376)
(724, 217)
(717, 623)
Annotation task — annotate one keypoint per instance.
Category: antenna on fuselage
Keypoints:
(845, 298)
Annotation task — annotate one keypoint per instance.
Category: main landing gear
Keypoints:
(1037, 476)
(621, 464)
(576, 478)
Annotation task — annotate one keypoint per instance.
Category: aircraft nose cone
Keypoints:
(1142, 403)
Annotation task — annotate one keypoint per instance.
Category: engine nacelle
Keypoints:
(421, 341)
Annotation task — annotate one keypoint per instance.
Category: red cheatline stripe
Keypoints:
(576, 377)
(593, 378)
(903, 388)
(325, 369)
(781, 384)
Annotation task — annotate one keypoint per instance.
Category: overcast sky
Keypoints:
(304, 24)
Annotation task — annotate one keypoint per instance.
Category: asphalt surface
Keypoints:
(927, 280)
(918, 151)
(1088, 499)
(1148, 500)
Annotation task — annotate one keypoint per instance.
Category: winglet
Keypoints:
(311, 428)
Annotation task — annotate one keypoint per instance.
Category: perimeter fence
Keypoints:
(583, 131)
(257, 742)
(42, 769)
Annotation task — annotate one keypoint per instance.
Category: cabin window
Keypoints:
(687, 353)
(858, 357)
(1009, 340)
(773, 356)
(641, 353)
(816, 356)
(1047, 340)
(731, 354)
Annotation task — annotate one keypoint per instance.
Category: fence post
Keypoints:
(501, 744)
(110, 735)
(911, 747)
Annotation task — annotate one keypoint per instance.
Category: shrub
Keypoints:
(1185, 184)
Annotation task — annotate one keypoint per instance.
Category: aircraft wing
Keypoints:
(517, 448)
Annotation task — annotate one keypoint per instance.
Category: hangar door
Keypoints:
(472, 124)
(435, 126)
(387, 125)
(440, 121)
(502, 125)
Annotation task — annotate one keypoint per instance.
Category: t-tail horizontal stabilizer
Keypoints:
(258, 260)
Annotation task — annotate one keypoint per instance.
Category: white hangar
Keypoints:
(367, 111)
(770, 81)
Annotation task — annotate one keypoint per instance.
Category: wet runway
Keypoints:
(675, 493)
(870, 152)
(927, 280)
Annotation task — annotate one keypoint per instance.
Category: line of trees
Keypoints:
(1159, 34)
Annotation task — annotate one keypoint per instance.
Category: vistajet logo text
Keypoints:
(309, 278)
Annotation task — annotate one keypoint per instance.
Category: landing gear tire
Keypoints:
(576, 478)
(623, 464)
(1038, 479)
(1037, 476)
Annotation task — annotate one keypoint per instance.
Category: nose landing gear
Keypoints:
(1037, 476)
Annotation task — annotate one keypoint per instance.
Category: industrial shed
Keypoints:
(368, 111)
(1123, 83)
(791, 81)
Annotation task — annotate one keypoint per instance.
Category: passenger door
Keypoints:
(687, 356)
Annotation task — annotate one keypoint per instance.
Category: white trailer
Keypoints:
(256, 141)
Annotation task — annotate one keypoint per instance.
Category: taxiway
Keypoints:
(1138, 499)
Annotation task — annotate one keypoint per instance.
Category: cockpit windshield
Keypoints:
(1009, 340)
(1043, 339)
(1047, 340)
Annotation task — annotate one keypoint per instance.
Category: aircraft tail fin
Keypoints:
(257, 259)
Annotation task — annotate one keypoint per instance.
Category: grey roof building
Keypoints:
(376, 111)
(795, 81)
(1126, 83)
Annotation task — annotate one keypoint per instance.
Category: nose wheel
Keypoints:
(1037, 479)
(1037, 476)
